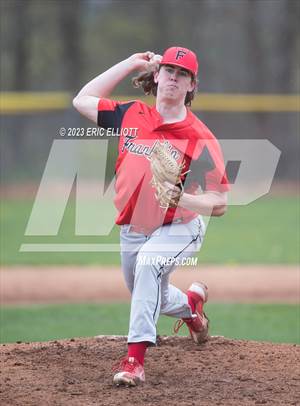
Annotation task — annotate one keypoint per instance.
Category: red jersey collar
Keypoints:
(159, 125)
(186, 129)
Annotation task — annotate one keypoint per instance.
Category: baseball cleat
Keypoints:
(199, 292)
(198, 323)
(131, 372)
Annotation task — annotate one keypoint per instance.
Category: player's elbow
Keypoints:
(81, 103)
(87, 106)
(219, 211)
(221, 207)
(77, 103)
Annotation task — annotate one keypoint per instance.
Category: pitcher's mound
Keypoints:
(219, 372)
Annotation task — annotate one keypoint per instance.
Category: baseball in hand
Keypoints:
(154, 63)
(156, 58)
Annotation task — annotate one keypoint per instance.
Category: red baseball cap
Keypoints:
(183, 57)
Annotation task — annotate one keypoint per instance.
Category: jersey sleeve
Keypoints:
(111, 113)
(206, 168)
(216, 179)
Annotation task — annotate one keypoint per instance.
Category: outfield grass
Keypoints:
(262, 322)
(265, 232)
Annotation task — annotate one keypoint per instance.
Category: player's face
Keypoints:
(174, 82)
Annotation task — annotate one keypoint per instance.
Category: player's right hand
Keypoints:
(145, 61)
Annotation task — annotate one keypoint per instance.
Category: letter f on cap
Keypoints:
(180, 54)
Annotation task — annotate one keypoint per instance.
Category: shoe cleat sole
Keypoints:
(126, 381)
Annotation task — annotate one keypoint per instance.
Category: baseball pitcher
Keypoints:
(169, 173)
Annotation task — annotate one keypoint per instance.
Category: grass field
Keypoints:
(262, 322)
(265, 232)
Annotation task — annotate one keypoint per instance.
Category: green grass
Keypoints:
(265, 231)
(262, 322)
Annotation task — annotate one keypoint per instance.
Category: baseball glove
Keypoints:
(167, 175)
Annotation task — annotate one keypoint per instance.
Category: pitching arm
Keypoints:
(86, 101)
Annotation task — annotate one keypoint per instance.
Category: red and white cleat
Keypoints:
(131, 372)
(198, 323)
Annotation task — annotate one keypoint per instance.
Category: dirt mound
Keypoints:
(218, 372)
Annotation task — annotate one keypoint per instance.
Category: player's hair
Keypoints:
(145, 80)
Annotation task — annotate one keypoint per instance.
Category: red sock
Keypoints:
(138, 351)
(192, 302)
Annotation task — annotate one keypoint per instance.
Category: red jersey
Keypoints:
(139, 126)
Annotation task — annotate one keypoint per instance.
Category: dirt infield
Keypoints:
(265, 284)
(178, 372)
